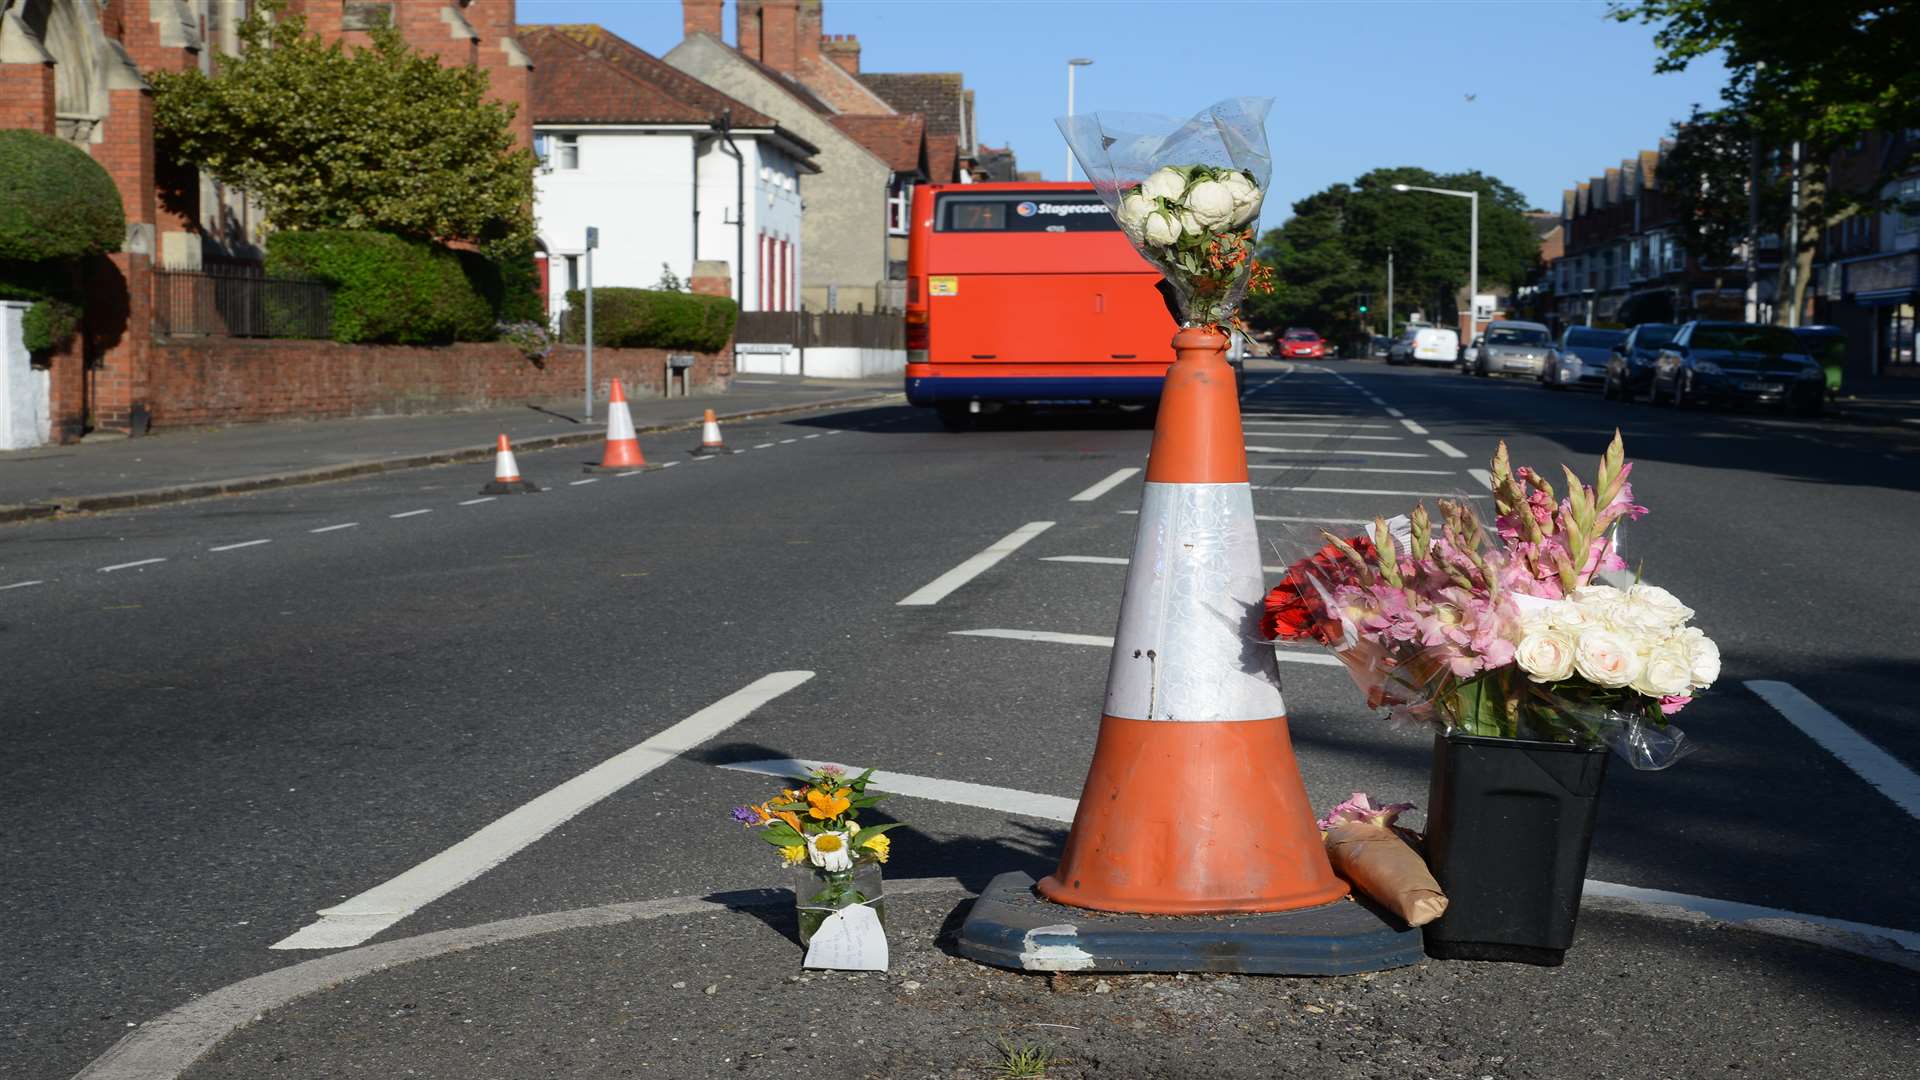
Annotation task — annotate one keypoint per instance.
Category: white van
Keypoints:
(1435, 346)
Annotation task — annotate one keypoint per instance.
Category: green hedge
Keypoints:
(388, 289)
(645, 318)
(55, 315)
(55, 201)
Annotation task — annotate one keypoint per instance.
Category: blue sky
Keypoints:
(1560, 92)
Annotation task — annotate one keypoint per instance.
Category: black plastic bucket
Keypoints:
(1509, 823)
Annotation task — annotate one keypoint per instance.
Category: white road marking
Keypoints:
(1119, 477)
(815, 435)
(937, 590)
(1316, 467)
(1483, 476)
(476, 502)
(345, 525)
(1298, 416)
(1103, 560)
(354, 921)
(130, 565)
(1310, 423)
(1413, 427)
(21, 584)
(588, 480)
(1855, 751)
(238, 546)
(711, 457)
(1393, 412)
(629, 472)
(833, 433)
(1445, 447)
(1282, 654)
(1343, 452)
(669, 465)
(784, 442)
(763, 446)
(1313, 520)
(410, 513)
(1366, 491)
(1007, 800)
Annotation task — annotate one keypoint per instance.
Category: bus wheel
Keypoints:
(956, 416)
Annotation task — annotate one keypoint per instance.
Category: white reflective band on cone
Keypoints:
(619, 422)
(1188, 646)
(504, 467)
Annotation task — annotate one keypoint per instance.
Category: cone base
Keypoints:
(509, 487)
(1192, 818)
(640, 467)
(703, 451)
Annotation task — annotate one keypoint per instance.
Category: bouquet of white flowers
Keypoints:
(1187, 193)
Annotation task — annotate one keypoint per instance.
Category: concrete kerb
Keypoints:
(122, 500)
(169, 1045)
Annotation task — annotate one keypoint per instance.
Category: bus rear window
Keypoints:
(1017, 212)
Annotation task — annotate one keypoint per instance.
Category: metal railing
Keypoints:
(822, 329)
(234, 301)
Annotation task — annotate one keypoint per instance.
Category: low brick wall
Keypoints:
(229, 381)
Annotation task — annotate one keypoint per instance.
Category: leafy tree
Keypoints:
(55, 201)
(1335, 247)
(1806, 80)
(377, 137)
(1705, 175)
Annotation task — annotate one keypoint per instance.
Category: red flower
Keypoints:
(1295, 610)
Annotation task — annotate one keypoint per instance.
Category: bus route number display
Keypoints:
(1018, 213)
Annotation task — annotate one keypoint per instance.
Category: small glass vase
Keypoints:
(819, 893)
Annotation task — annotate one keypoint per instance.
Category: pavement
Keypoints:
(370, 759)
(173, 465)
(1887, 401)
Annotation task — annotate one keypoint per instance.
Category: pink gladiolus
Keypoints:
(1671, 705)
(1360, 807)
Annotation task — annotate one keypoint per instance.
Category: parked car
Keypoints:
(1377, 347)
(1510, 346)
(1431, 345)
(1630, 365)
(1467, 351)
(1580, 359)
(1828, 347)
(1298, 344)
(1735, 363)
(1400, 350)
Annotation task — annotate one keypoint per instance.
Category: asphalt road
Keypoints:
(206, 750)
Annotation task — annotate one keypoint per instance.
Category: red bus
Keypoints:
(1028, 292)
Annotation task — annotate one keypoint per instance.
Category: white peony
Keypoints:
(1161, 228)
(1211, 203)
(1658, 599)
(1667, 672)
(1133, 211)
(1165, 183)
(1605, 658)
(1703, 656)
(1246, 197)
(1546, 655)
(830, 851)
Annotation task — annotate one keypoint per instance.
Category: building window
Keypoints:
(566, 152)
(899, 202)
(1906, 212)
(764, 274)
(1898, 344)
(573, 272)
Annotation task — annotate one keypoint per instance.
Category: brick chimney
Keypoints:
(769, 31)
(807, 35)
(700, 17)
(842, 49)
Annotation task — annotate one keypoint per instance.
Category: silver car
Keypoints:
(1511, 348)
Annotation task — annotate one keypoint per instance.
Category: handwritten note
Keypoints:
(849, 940)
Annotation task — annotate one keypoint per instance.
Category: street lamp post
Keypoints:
(1076, 62)
(1473, 246)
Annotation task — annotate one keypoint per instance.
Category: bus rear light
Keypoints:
(917, 330)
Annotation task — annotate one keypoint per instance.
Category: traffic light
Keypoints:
(1365, 299)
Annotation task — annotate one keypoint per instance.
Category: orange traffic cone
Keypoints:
(506, 473)
(710, 441)
(1194, 802)
(623, 447)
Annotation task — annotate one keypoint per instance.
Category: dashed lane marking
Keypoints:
(238, 546)
(588, 480)
(1316, 467)
(1395, 413)
(1413, 427)
(1112, 560)
(1283, 654)
(21, 584)
(1299, 520)
(1299, 415)
(669, 465)
(367, 914)
(410, 513)
(1483, 476)
(815, 435)
(1366, 491)
(1343, 452)
(1007, 800)
(763, 446)
(1312, 423)
(342, 525)
(1118, 477)
(1855, 751)
(476, 502)
(130, 565)
(1445, 447)
(784, 442)
(939, 588)
(629, 472)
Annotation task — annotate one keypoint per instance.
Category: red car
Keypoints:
(1302, 345)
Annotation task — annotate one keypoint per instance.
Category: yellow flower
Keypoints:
(765, 814)
(822, 806)
(881, 846)
(794, 854)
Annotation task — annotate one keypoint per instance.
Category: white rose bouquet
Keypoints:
(1187, 193)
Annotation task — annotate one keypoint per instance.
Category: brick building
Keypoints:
(76, 69)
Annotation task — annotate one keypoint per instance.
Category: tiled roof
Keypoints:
(788, 83)
(584, 73)
(940, 95)
(900, 141)
(943, 158)
(834, 85)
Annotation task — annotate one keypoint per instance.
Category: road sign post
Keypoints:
(593, 241)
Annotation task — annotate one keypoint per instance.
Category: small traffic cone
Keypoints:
(1194, 802)
(623, 447)
(710, 441)
(506, 473)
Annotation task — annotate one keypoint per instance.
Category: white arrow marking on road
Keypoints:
(365, 915)
(1855, 751)
(1026, 803)
(1445, 447)
(938, 589)
(1119, 477)
(1050, 637)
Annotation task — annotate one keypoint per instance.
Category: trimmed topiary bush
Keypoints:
(55, 201)
(48, 325)
(386, 289)
(55, 315)
(646, 319)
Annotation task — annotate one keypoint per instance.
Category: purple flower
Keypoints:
(745, 815)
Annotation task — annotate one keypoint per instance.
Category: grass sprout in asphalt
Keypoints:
(1021, 1059)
